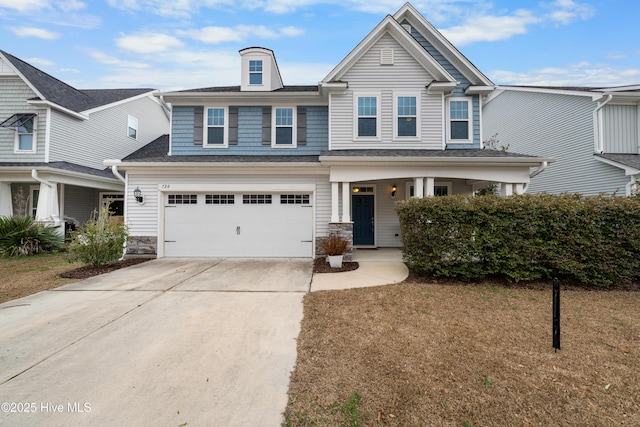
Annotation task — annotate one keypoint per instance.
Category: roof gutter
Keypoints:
(116, 172)
(597, 121)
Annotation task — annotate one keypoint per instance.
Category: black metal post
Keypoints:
(556, 314)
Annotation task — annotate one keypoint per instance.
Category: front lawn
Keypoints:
(429, 354)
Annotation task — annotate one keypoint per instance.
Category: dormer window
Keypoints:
(255, 72)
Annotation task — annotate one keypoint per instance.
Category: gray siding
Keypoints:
(249, 134)
(104, 135)
(13, 99)
(459, 91)
(80, 202)
(558, 126)
(406, 76)
(620, 126)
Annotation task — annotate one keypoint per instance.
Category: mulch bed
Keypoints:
(87, 271)
(321, 265)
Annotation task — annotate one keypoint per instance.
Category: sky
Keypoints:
(183, 44)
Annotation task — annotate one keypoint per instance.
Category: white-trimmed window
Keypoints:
(216, 126)
(256, 199)
(219, 199)
(182, 199)
(295, 199)
(114, 202)
(132, 127)
(439, 189)
(255, 72)
(367, 116)
(34, 193)
(24, 125)
(459, 112)
(406, 116)
(284, 127)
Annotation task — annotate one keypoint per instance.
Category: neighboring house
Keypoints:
(593, 133)
(54, 140)
(268, 170)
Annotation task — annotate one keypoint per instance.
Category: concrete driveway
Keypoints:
(194, 342)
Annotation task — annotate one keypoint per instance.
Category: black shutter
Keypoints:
(302, 126)
(198, 120)
(233, 125)
(266, 126)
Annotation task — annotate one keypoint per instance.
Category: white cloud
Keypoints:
(580, 74)
(106, 59)
(69, 70)
(70, 5)
(567, 11)
(490, 28)
(40, 33)
(24, 5)
(239, 33)
(147, 42)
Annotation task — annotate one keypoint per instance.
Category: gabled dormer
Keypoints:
(259, 70)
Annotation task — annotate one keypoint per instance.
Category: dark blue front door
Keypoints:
(363, 220)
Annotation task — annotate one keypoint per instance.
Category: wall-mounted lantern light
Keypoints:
(356, 189)
(394, 188)
(138, 195)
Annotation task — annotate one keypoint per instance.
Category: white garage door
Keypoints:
(238, 225)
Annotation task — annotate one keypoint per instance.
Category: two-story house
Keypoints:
(593, 133)
(54, 139)
(267, 170)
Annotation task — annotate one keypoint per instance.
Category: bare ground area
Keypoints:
(433, 354)
(22, 276)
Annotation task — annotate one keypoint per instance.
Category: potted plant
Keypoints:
(334, 247)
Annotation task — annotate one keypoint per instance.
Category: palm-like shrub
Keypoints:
(21, 235)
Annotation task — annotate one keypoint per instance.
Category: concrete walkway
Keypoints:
(377, 267)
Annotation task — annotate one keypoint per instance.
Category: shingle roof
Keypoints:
(234, 89)
(156, 151)
(632, 160)
(64, 166)
(67, 96)
(457, 153)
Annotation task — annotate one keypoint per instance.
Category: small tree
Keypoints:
(99, 242)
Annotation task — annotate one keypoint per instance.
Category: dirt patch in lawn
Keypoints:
(428, 354)
(24, 276)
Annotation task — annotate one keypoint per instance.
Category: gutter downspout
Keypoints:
(597, 118)
(114, 170)
(632, 185)
(535, 173)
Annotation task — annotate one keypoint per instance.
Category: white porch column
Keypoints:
(335, 217)
(518, 188)
(507, 189)
(48, 209)
(429, 187)
(346, 202)
(418, 188)
(6, 203)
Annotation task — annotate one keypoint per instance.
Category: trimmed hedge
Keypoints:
(591, 240)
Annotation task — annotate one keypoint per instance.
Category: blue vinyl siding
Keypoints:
(458, 91)
(250, 134)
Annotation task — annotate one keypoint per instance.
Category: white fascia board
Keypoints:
(479, 90)
(149, 94)
(441, 87)
(65, 177)
(246, 98)
(590, 94)
(509, 174)
(49, 104)
(227, 168)
(393, 28)
(628, 170)
(433, 161)
(168, 186)
(450, 52)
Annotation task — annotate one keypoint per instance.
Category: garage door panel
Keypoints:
(238, 229)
